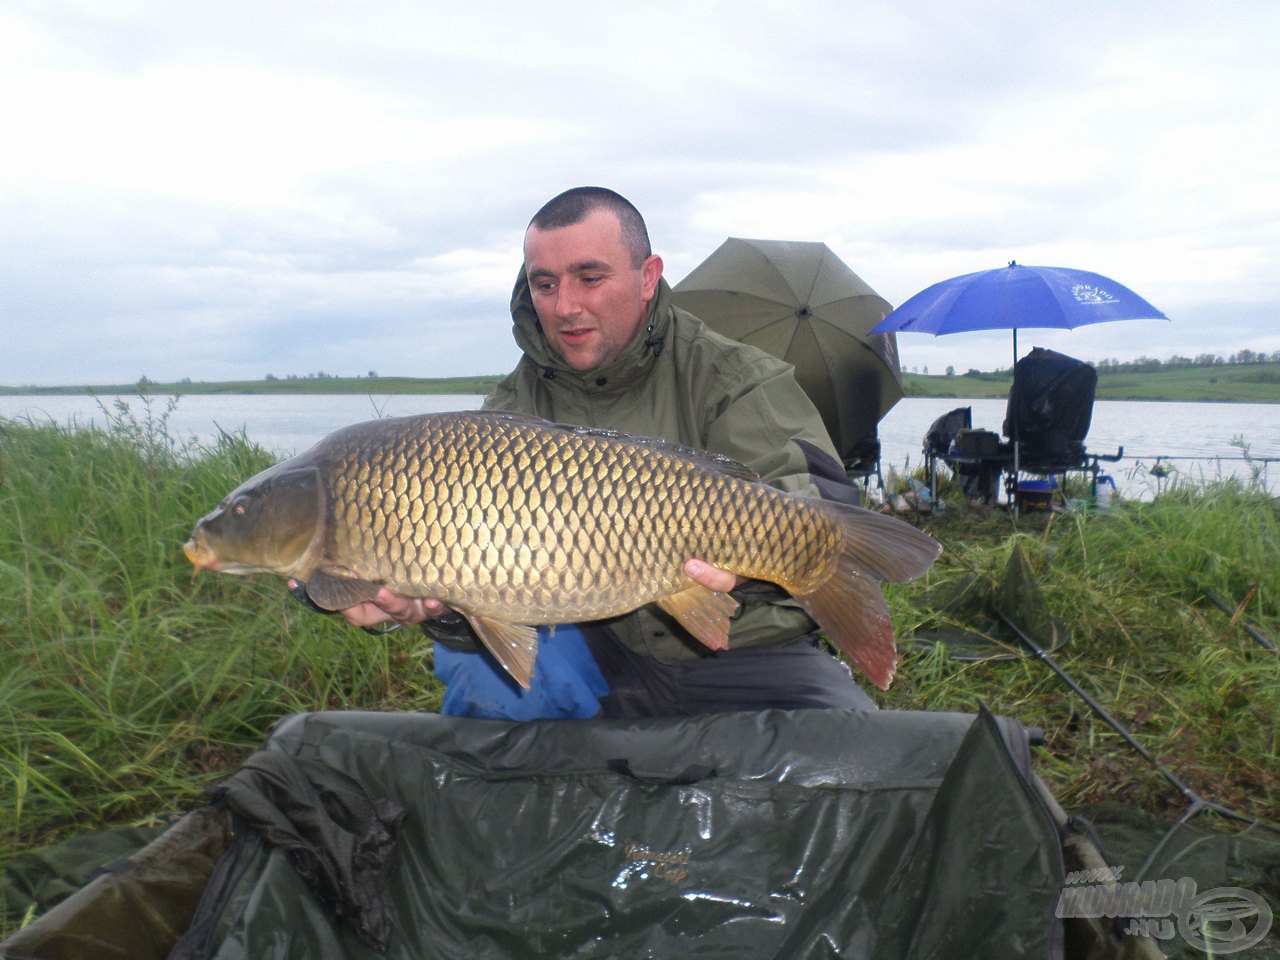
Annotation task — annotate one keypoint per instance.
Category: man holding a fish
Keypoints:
(604, 348)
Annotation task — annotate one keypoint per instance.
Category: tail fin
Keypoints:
(848, 605)
(881, 545)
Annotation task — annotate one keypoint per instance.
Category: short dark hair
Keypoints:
(574, 206)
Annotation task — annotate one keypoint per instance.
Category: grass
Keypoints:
(1237, 383)
(1240, 383)
(379, 386)
(1129, 586)
(128, 689)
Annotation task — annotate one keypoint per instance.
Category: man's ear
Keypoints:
(650, 274)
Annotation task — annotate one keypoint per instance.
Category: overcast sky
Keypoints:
(223, 190)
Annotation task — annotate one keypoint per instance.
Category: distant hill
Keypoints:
(374, 385)
(1232, 382)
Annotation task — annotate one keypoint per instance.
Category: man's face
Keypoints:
(589, 298)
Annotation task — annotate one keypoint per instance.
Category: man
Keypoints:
(604, 347)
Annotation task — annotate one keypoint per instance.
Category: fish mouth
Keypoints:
(201, 557)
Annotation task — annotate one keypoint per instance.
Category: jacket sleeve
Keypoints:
(512, 391)
(453, 631)
(772, 426)
(769, 424)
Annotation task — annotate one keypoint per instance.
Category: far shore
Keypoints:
(1218, 383)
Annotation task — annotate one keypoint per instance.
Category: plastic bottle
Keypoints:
(1106, 488)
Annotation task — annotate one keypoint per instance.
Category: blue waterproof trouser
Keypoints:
(588, 672)
(566, 681)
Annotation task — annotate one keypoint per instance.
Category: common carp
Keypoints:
(515, 522)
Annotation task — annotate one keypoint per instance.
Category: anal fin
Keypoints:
(513, 645)
(704, 613)
(851, 611)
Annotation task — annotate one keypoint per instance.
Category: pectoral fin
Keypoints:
(702, 612)
(513, 645)
(333, 591)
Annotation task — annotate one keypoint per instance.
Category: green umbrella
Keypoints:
(800, 302)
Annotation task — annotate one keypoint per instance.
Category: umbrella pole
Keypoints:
(1013, 505)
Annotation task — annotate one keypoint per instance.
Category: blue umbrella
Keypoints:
(1017, 296)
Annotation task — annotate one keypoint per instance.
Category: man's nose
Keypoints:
(566, 303)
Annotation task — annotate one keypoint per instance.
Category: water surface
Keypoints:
(1201, 440)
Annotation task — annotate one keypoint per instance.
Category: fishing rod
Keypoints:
(1178, 783)
(1196, 805)
(1248, 626)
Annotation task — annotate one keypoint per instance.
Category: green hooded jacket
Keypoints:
(680, 381)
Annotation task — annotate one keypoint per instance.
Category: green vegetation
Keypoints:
(969, 386)
(127, 688)
(1252, 382)
(316, 384)
(1236, 382)
(1129, 586)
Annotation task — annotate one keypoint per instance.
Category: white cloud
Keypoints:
(319, 181)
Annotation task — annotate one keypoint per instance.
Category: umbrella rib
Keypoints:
(806, 301)
(768, 325)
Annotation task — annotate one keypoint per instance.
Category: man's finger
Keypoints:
(713, 578)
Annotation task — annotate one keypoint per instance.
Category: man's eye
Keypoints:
(544, 287)
(591, 281)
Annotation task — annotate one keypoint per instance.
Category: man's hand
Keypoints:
(713, 578)
(389, 607)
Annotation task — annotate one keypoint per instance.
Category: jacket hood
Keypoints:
(634, 361)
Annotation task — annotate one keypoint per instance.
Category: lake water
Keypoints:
(1201, 440)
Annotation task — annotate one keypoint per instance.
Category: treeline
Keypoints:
(145, 383)
(1151, 364)
(321, 375)
(1140, 365)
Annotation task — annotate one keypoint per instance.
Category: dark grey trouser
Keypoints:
(793, 676)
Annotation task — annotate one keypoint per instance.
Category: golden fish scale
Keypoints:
(533, 524)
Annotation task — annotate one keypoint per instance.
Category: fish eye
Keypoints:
(240, 506)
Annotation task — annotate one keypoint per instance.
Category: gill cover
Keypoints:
(268, 523)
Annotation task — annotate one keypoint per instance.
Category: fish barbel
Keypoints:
(515, 522)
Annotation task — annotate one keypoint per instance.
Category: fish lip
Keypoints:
(201, 557)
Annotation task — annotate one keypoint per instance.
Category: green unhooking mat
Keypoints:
(773, 834)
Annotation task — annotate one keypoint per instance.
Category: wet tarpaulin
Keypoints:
(772, 834)
(132, 908)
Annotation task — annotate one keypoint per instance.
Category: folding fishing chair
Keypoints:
(1048, 417)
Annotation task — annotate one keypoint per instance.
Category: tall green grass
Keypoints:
(126, 688)
(1129, 586)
